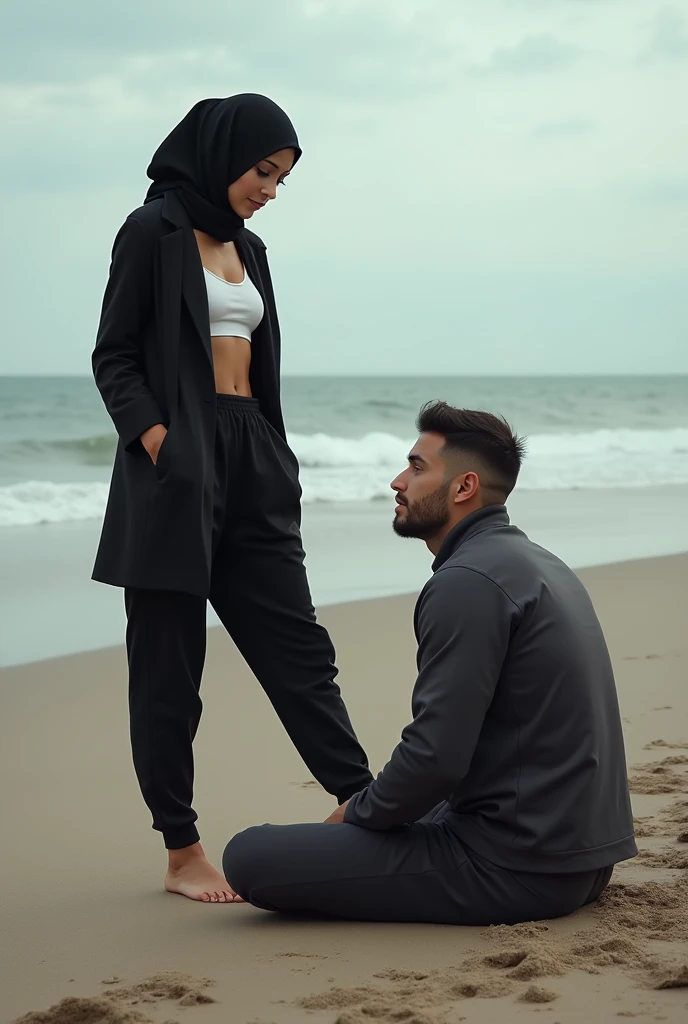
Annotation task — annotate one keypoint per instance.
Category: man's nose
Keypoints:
(398, 484)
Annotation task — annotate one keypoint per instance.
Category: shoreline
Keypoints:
(52, 608)
(404, 598)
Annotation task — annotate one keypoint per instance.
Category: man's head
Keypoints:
(462, 461)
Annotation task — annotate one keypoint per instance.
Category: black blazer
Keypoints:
(153, 363)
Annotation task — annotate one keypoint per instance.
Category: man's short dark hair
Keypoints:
(487, 438)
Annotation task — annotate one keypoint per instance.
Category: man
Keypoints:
(507, 798)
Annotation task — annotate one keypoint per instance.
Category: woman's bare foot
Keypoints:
(191, 874)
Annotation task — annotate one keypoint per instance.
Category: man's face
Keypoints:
(422, 491)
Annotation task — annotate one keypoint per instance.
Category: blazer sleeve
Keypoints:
(464, 624)
(117, 359)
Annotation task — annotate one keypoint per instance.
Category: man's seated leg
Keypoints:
(416, 873)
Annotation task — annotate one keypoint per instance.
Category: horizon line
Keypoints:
(399, 376)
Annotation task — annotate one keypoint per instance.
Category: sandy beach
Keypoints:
(85, 918)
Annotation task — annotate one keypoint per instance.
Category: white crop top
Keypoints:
(235, 309)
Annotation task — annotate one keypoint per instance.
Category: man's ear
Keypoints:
(465, 487)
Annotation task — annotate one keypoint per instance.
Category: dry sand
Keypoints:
(90, 938)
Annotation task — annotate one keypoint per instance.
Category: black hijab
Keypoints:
(217, 142)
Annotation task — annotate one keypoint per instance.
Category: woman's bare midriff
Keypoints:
(232, 362)
(231, 356)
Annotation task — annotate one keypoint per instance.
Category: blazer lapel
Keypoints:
(183, 263)
(171, 259)
(195, 292)
(248, 258)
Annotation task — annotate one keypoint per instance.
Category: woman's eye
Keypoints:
(262, 174)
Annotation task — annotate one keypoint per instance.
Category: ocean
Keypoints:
(351, 436)
(605, 479)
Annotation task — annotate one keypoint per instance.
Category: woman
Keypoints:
(205, 501)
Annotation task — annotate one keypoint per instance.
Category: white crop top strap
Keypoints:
(235, 309)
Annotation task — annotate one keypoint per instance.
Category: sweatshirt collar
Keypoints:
(488, 518)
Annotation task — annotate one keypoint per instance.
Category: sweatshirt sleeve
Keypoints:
(463, 625)
(117, 359)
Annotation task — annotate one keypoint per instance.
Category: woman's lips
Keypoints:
(255, 205)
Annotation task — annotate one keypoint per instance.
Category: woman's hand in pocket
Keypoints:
(152, 439)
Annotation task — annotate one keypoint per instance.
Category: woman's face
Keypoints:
(252, 190)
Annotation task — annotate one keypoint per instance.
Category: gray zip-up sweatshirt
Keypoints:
(515, 714)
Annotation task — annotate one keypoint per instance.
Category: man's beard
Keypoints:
(425, 517)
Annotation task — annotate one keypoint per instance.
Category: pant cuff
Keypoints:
(178, 838)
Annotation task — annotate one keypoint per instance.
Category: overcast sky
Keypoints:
(488, 186)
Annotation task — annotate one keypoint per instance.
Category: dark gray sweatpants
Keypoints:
(420, 873)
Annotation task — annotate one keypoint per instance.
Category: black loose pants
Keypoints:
(420, 873)
(260, 592)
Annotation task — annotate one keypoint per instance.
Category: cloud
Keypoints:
(566, 128)
(534, 54)
(544, 172)
(78, 79)
(348, 46)
(669, 39)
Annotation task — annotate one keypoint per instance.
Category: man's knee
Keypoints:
(243, 859)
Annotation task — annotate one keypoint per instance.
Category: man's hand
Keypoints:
(337, 817)
(152, 439)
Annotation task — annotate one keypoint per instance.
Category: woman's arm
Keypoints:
(117, 357)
